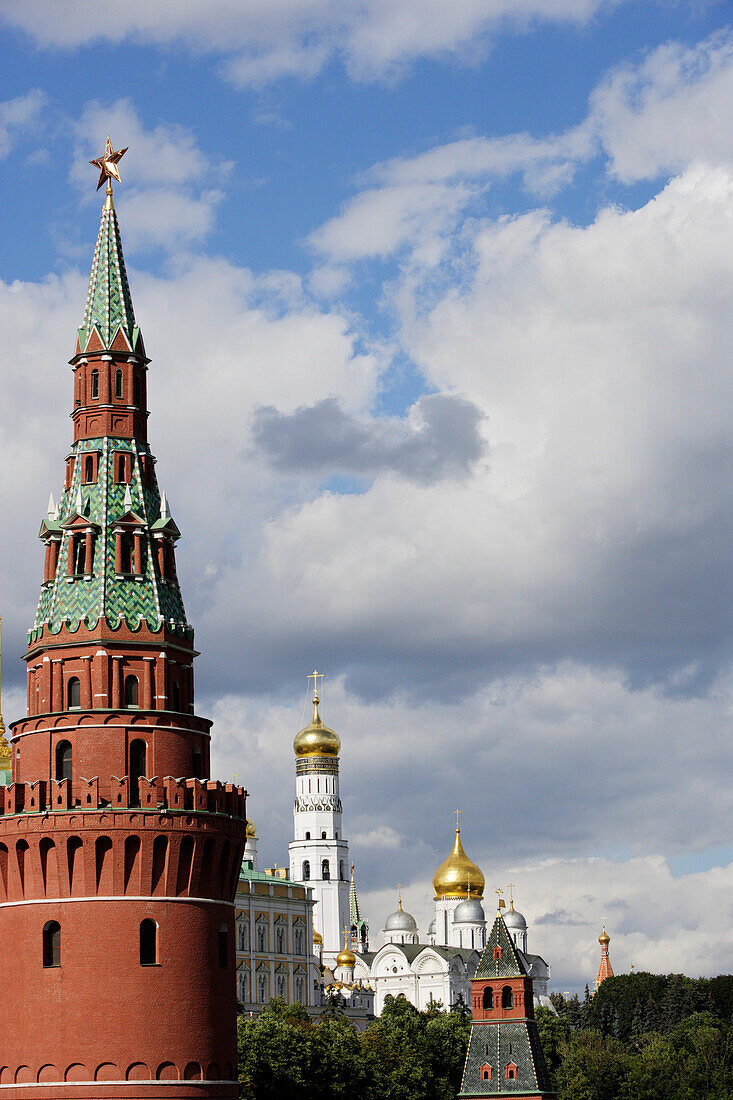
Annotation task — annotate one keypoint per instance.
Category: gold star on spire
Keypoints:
(107, 165)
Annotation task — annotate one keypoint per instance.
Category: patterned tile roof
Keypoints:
(514, 1042)
(109, 303)
(504, 964)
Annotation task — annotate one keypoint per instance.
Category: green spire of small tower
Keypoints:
(504, 1050)
(359, 926)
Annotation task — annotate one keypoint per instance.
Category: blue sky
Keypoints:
(439, 314)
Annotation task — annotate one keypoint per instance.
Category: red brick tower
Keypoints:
(605, 969)
(504, 1050)
(119, 857)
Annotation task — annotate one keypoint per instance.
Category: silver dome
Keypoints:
(431, 927)
(514, 921)
(400, 921)
(469, 912)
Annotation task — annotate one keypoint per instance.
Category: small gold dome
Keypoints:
(604, 939)
(317, 938)
(346, 958)
(458, 876)
(6, 753)
(316, 739)
(251, 827)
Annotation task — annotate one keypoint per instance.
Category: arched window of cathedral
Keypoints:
(52, 943)
(280, 942)
(299, 984)
(262, 984)
(118, 384)
(222, 940)
(73, 694)
(95, 384)
(298, 941)
(488, 1001)
(281, 986)
(307, 836)
(325, 871)
(323, 836)
(63, 760)
(507, 997)
(148, 943)
(241, 937)
(131, 691)
(262, 937)
(306, 871)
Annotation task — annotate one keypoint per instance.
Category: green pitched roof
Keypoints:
(109, 302)
(507, 963)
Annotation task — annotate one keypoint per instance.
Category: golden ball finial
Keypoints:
(251, 827)
(458, 876)
(604, 939)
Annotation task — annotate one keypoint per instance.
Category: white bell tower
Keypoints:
(319, 855)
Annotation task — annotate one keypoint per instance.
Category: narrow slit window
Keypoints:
(73, 694)
(148, 943)
(118, 384)
(51, 943)
(95, 384)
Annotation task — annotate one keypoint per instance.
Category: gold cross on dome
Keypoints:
(458, 824)
(107, 165)
(502, 903)
(511, 893)
(346, 935)
(315, 676)
(399, 894)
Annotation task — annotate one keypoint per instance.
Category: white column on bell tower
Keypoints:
(319, 855)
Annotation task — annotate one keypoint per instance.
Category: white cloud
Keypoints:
(674, 108)
(267, 41)
(19, 116)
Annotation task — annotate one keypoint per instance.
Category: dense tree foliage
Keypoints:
(642, 1037)
(404, 1055)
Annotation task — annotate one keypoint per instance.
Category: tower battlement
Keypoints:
(164, 795)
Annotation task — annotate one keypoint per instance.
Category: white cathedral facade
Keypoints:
(438, 968)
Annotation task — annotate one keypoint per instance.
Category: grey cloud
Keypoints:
(441, 439)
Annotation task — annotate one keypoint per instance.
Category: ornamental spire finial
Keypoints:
(108, 170)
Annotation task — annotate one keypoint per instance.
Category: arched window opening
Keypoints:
(223, 945)
(507, 997)
(118, 384)
(342, 871)
(197, 768)
(64, 757)
(511, 1072)
(136, 770)
(262, 937)
(131, 691)
(307, 836)
(281, 986)
(325, 871)
(79, 552)
(486, 1073)
(148, 943)
(262, 988)
(73, 694)
(52, 943)
(280, 941)
(95, 384)
(488, 1001)
(306, 871)
(323, 836)
(89, 469)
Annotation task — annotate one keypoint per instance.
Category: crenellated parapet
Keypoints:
(168, 794)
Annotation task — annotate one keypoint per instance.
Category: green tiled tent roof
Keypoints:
(109, 302)
(498, 1045)
(509, 965)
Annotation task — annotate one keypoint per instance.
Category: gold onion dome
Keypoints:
(251, 827)
(604, 939)
(458, 876)
(316, 739)
(346, 958)
(317, 938)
